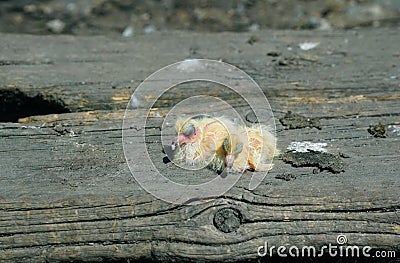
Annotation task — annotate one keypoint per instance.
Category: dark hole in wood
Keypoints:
(227, 220)
(166, 160)
(15, 104)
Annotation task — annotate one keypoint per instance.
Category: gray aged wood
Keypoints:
(67, 193)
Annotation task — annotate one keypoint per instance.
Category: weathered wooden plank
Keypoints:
(68, 195)
(95, 73)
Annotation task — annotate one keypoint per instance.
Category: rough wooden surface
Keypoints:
(66, 193)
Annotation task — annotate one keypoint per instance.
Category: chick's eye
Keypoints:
(189, 130)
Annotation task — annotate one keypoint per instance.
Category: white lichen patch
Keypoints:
(308, 45)
(394, 129)
(307, 146)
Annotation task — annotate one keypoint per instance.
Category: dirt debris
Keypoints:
(286, 176)
(322, 160)
(296, 121)
(378, 131)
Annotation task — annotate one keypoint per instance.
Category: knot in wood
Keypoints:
(227, 220)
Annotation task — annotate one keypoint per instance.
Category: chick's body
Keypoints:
(219, 143)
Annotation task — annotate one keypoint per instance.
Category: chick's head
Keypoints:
(187, 133)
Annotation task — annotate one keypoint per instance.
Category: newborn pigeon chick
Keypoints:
(220, 143)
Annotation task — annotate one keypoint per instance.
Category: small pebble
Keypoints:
(149, 29)
(56, 26)
(253, 39)
(128, 31)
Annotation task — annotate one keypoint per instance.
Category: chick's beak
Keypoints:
(183, 137)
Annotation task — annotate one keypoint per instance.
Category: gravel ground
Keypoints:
(133, 17)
